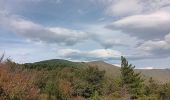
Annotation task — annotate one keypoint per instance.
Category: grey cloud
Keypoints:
(109, 39)
(103, 54)
(98, 54)
(37, 32)
(146, 26)
(117, 41)
(57, 35)
(108, 42)
(119, 7)
(157, 48)
(153, 28)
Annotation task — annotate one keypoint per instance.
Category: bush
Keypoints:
(90, 80)
(17, 84)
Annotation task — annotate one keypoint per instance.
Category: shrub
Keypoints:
(17, 84)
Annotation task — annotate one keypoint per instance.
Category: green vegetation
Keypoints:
(53, 64)
(65, 80)
(132, 83)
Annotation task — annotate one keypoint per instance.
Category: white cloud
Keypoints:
(167, 38)
(124, 7)
(37, 32)
(131, 7)
(151, 25)
(144, 26)
(152, 45)
(98, 54)
(147, 68)
(104, 53)
(156, 44)
(118, 65)
(66, 52)
(109, 38)
(156, 47)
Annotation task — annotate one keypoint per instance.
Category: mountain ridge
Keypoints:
(160, 75)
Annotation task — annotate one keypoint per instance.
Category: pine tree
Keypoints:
(153, 86)
(130, 80)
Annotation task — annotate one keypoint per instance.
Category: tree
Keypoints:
(2, 57)
(90, 81)
(153, 86)
(131, 81)
(165, 92)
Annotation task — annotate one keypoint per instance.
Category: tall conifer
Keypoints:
(130, 80)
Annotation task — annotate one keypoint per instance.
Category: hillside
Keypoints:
(111, 70)
(55, 63)
(67, 80)
(160, 75)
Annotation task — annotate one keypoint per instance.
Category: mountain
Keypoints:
(55, 63)
(160, 75)
(60, 62)
(111, 70)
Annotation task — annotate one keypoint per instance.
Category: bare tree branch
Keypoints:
(2, 57)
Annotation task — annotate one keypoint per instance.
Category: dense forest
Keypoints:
(65, 80)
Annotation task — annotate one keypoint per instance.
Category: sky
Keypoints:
(87, 30)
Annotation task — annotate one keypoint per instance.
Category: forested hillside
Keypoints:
(65, 80)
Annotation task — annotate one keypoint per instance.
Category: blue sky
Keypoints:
(87, 30)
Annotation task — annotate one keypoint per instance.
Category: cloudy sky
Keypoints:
(87, 30)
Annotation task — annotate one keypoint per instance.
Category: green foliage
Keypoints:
(152, 87)
(165, 92)
(53, 90)
(111, 87)
(90, 80)
(131, 80)
(65, 80)
(53, 64)
(95, 96)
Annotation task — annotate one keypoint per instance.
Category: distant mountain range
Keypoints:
(112, 71)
